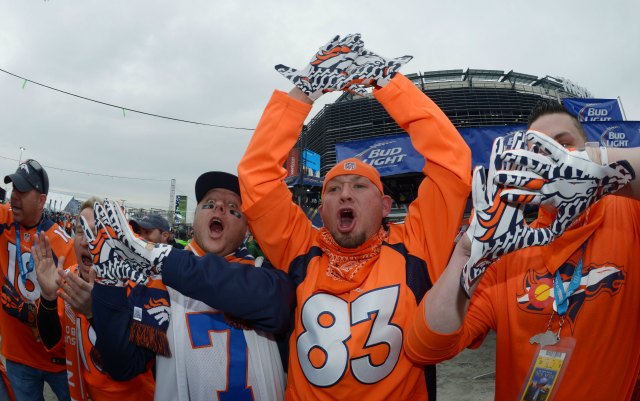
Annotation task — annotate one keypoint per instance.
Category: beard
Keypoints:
(349, 240)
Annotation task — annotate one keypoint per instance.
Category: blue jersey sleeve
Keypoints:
(112, 315)
(261, 296)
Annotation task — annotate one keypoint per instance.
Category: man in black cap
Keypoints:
(153, 228)
(29, 365)
(200, 301)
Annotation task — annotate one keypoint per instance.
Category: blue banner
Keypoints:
(480, 140)
(619, 134)
(587, 110)
(395, 155)
(390, 155)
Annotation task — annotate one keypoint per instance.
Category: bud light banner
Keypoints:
(480, 140)
(620, 134)
(587, 110)
(390, 155)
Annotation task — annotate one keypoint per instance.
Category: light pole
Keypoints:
(22, 149)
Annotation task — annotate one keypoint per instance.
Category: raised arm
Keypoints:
(444, 191)
(446, 323)
(279, 226)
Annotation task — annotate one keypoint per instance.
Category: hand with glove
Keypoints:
(142, 256)
(496, 227)
(550, 174)
(326, 70)
(110, 268)
(14, 305)
(370, 69)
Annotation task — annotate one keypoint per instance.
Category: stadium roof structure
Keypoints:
(549, 86)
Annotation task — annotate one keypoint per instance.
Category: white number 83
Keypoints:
(327, 323)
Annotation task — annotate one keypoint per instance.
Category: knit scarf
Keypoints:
(151, 314)
(348, 267)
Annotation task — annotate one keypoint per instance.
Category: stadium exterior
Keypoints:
(470, 98)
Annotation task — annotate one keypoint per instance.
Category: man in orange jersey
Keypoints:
(70, 313)
(567, 313)
(29, 365)
(359, 281)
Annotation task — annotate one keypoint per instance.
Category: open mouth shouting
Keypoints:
(216, 228)
(86, 260)
(346, 219)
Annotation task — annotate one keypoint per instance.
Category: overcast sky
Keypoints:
(212, 61)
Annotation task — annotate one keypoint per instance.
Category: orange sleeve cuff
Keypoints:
(426, 346)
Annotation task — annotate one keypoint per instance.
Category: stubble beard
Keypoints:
(349, 240)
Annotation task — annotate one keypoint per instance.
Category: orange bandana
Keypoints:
(348, 267)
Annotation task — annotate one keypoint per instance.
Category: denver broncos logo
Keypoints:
(537, 296)
(159, 309)
(324, 55)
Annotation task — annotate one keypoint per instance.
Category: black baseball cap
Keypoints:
(29, 175)
(216, 179)
(151, 221)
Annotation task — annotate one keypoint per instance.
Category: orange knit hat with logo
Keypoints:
(354, 166)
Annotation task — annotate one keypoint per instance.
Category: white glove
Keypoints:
(566, 180)
(110, 268)
(144, 257)
(496, 227)
(325, 72)
(370, 69)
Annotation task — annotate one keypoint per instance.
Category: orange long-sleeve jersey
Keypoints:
(348, 344)
(21, 343)
(515, 298)
(87, 380)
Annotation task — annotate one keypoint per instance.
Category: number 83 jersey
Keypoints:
(349, 345)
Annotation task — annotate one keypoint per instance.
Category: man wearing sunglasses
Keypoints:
(29, 365)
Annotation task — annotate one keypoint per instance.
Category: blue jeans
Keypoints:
(28, 383)
(4, 394)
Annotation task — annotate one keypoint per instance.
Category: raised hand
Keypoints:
(46, 269)
(143, 256)
(326, 70)
(569, 181)
(117, 272)
(109, 267)
(370, 69)
(496, 227)
(76, 291)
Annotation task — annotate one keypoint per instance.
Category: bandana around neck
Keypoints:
(348, 267)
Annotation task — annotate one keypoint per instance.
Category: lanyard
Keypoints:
(24, 272)
(562, 296)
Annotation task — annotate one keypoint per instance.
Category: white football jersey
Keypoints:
(211, 360)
